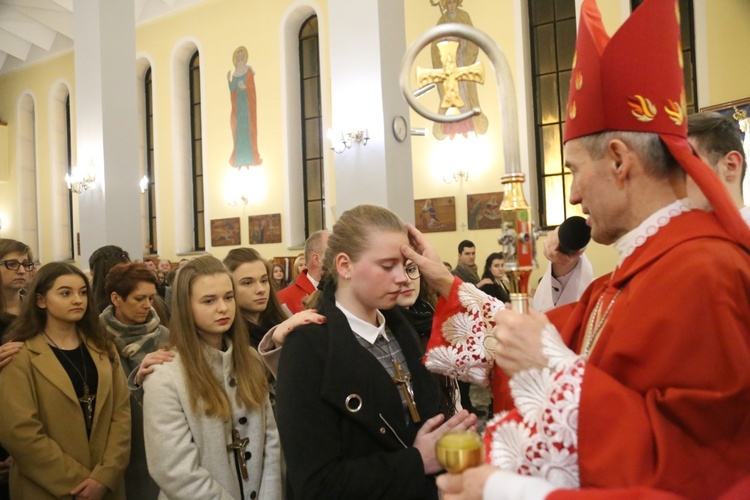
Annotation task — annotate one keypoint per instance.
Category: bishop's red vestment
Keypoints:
(663, 399)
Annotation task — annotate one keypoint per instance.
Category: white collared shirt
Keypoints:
(363, 328)
(745, 213)
(314, 282)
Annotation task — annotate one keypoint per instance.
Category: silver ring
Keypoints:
(357, 403)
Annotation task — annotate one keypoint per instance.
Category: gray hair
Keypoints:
(655, 156)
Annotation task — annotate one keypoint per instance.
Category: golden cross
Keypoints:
(449, 75)
(403, 380)
(238, 446)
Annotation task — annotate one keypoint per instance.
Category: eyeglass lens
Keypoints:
(12, 265)
(412, 271)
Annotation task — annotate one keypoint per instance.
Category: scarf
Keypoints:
(467, 273)
(133, 342)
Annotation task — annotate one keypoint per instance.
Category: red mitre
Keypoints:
(634, 82)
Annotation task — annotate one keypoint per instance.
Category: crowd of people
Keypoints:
(217, 379)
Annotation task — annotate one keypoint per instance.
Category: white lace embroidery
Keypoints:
(470, 355)
(541, 437)
(626, 245)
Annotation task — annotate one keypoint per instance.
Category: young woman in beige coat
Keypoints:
(66, 410)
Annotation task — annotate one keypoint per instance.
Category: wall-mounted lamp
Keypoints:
(347, 140)
(455, 174)
(143, 184)
(79, 180)
(245, 185)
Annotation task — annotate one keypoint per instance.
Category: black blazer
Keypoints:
(332, 451)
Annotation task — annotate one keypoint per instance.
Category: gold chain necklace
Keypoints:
(596, 323)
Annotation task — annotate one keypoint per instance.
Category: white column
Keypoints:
(367, 42)
(106, 110)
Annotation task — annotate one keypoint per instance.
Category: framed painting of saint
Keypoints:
(434, 215)
(225, 232)
(265, 229)
(483, 210)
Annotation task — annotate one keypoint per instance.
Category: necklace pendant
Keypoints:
(403, 380)
(238, 447)
(87, 404)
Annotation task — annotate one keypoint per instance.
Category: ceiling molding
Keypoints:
(35, 30)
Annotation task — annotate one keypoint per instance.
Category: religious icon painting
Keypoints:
(225, 232)
(483, 210)
(243, 120)
(434, 215)
(264, 229)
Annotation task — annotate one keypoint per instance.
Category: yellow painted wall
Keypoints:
(728, 36)
(219, 26)
(38, 81)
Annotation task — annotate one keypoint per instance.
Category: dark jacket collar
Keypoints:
(352, 370)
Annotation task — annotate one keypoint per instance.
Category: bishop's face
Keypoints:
(596, 189)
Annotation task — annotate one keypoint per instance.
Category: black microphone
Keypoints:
(573, 234)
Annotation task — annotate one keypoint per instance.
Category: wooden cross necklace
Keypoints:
(87, 400)
(238, 446)
(402, 379)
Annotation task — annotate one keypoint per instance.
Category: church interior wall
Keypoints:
(218, 27)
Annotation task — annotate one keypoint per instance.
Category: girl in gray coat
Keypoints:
(208, 425)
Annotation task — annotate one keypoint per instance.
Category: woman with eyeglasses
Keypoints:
(16, 266)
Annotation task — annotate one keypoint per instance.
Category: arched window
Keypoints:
(60, 198)
(312, 126)
(199, 242)
(27, 188)
(150, 192)
(552, 29)
(69, 170)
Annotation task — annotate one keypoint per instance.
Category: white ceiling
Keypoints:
(34, 30)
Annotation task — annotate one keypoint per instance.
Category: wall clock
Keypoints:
(400, 129)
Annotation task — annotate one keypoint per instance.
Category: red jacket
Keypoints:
(293, 295)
